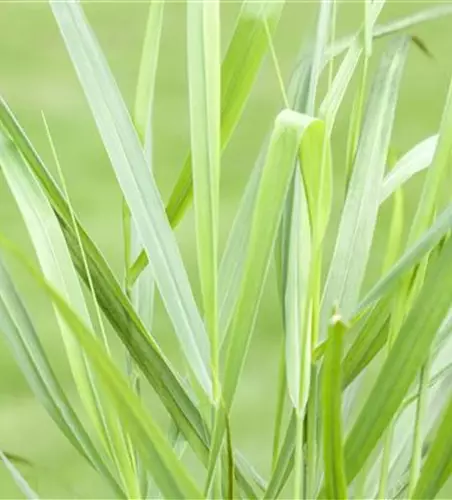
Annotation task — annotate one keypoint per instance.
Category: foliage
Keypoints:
(357, 370)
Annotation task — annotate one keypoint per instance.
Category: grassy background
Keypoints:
(36, 75)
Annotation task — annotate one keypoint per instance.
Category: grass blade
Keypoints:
(138, 185)
(333, 454)
(117, 307)
(240, 66)
(18, 330)
(290, 128)
(412, 257)
(148, 69)
(203, 45)
(435, 174)
(416, 160)
(55, 261)
(438, 464)
(359, 215)
(18, 478)
(155, 450)
(410, 351)
(393, 27)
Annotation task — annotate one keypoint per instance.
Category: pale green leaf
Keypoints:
(148, 69)
(241, 64)
(118, 309)
(416, 160)
(290, 128)
(18, 330)
(428, 201)
(413, 256)
(438, 464)
(56, 263)
(410, 351)
(360, 211)
(138, 186)
(20, 481)
(203, 47)
(154, 450)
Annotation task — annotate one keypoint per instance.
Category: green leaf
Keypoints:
(18, 478)
(203, 46)
(20, 334)
(142, 291)
(231, 268)
(360, 211)
(409, 352)
(296, 300)
(428, 201)
(371, 335)
(154, 449)
(330, 105)
(117, 307)
(55, 261)
(138, 186)
(417, 159)
(438, 464)
(291, 130)
(393, 27)
(241, 64)
(148, 69)
(407, 262)
(333, 453)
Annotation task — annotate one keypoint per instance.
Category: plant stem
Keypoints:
(312, 436)
(417, 440)
(279, 404)
(299, 462)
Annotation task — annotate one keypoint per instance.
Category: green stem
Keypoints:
(279, 405)
(311, 460)
(417, 440)
(299, 462)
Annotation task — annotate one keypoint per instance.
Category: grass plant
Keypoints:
(364, 403)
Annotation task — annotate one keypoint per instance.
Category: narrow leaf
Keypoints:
(333, 454)
(138, 185)
(20, 481)
(240, 66)
(438, 464)
(409, 352)
(203, 46)
(290, 130)
(359, 215)
(27, 349)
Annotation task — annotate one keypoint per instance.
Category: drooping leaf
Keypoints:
(16, 327)
(156, 452)
(116, 306)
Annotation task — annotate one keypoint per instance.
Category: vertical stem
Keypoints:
(417, 440)
(299, 462)
(279, 405)
(311, 460)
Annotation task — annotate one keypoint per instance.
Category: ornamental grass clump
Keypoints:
(364, 406)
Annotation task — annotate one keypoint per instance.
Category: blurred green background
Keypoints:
(36, 75)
